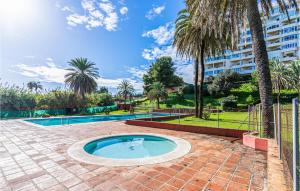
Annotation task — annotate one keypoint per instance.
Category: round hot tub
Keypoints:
(130, 146)
(129, 149)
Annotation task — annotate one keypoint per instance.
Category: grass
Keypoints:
(228, 120)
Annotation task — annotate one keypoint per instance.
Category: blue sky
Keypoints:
(39, 37)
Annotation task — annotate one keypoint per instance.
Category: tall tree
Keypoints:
(125, 89)
(157, 92)
(236, 14)
(163, 71)
(197, 43)
(34, 86)
(82, 76)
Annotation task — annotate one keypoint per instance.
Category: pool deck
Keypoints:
(35, 158)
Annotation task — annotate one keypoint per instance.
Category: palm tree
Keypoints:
(279, 76)
(236, 14)
(34, 86)
(294, 75)
(197, 43)
(125, 89)
(82, 76)
(157, 91)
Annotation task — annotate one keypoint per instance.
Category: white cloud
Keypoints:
(186, 71)
(51, 72)
(124, 10)
(162, 35)
(47, 73)
(66, 8)
(156, 52)
(137, 72)
(152, 13)
(97, 13)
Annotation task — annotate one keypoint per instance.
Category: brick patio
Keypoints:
(35, 158)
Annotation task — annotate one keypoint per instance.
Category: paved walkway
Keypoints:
(35, 158)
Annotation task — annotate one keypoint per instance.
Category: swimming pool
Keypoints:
(94, 118)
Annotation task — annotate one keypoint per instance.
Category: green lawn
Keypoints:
(228, 120)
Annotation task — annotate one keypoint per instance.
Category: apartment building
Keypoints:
(282, 38)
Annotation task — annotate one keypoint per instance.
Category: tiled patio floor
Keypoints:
(35, 158)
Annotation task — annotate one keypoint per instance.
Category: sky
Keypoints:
(122, 37)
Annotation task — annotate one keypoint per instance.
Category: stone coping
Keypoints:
(77, 152)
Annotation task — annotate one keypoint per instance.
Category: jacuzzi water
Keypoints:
(130, 146)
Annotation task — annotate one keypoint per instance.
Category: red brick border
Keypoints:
(188, 128)
(255, 142)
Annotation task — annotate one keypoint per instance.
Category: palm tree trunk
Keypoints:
(196, 87)
(262, 66)
(201, 80)
(157, 102)
(125, 104)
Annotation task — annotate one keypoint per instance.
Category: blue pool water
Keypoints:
(94, 118)
(130, 146)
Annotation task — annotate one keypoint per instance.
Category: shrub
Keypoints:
(250, 100)
(16, 98)
(223, 83)
(229, 103)
(206, 115)
(106, 111)
(45, 115)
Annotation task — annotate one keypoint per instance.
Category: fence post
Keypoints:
(218, 117)
(259, 113)
(279, 131)
(295, 144)
(249, 118)
(275, 125)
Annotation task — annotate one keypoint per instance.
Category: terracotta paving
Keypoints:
(35, 158)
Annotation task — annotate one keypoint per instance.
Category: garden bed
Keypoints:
(187, 128)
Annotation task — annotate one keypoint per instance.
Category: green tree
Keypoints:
(223, 83)
(103, 90)
(294, 75)
(82, 76)
(237, 14)
(197, 43)
(279, 76)
(163, 71)
(157, 92)
(125, 90)
(34, 86)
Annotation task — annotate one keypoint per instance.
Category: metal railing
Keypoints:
(286, 132)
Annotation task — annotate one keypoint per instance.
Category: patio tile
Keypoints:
(177, 183)
(80, 187)
(233, 186)
(34, 158)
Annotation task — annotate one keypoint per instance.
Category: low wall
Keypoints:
(255, 142)
(188, 128)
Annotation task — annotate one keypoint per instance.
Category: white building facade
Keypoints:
(282, 38)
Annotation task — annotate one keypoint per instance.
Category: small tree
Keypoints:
(162, 71)
(223, 83)
(294, 75)
(125, 90)
(279, 76)
(34, 86)
(157, 92)
(103, 90)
